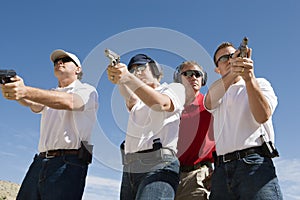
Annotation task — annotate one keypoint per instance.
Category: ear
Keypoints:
(217, 70)
(78, 70)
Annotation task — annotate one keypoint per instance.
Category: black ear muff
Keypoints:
(204, 78)
(155, 68)
(177, 75)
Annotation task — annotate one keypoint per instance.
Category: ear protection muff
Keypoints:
(177, 75)
(204, 78)
(155, 68)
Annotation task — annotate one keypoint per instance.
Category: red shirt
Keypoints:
(195, 142)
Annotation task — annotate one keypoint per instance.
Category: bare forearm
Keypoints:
(258, 103)
(217, 91)
(147, 94)
(53, 99)
(35, 107)
(154, 99)
(129, 97)
(125, 92)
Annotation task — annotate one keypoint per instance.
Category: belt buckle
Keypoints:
(224, 160)
(48, 156)
(237, 157)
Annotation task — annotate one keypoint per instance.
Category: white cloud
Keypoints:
(289, 177)
(8, 154)
(101, 188)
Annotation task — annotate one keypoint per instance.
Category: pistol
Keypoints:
(243, 48)
(268, 148)
(113, 57)
(5, 75)
(86, 152)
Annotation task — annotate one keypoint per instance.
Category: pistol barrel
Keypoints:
(243, 47)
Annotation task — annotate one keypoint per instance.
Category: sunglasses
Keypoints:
(138, 68)
(64, 60)
(225, 57)
(191, 73)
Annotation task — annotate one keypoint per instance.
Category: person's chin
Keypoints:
(195, 86)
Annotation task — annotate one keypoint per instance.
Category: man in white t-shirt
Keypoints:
(68, 114)
(242, 106)
(151, 168)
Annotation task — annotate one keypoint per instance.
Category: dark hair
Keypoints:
(221, 46)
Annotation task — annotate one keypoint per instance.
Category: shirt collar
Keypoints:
(197, 100)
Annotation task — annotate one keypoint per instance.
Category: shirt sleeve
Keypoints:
(268, 92)
(88, 95)
(176, 92)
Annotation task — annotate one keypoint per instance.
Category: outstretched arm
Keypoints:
(37, 98)
(129, 96)
(143, 91)
(217, 90)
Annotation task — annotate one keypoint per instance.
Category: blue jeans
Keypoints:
(249, 178)
(59, 178)
(160, 182)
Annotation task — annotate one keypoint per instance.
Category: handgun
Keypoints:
(243, 48)
(268, 147)
(86, 152)
(113, 57)
(6, 74)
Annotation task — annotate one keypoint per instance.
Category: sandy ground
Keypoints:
(8, 190)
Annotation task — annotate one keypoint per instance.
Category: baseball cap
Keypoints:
(139, 59)
(61, 53)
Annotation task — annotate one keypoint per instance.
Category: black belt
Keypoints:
(189, 168)
(147, 155)
(236, 155)
(58, 152)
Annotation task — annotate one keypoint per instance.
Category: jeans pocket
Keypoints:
(254, 159)
(73, 161)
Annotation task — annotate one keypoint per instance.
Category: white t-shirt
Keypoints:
(145, 124)
(64, 129)
(234, 125)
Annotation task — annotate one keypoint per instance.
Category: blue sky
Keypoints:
(170, 32)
